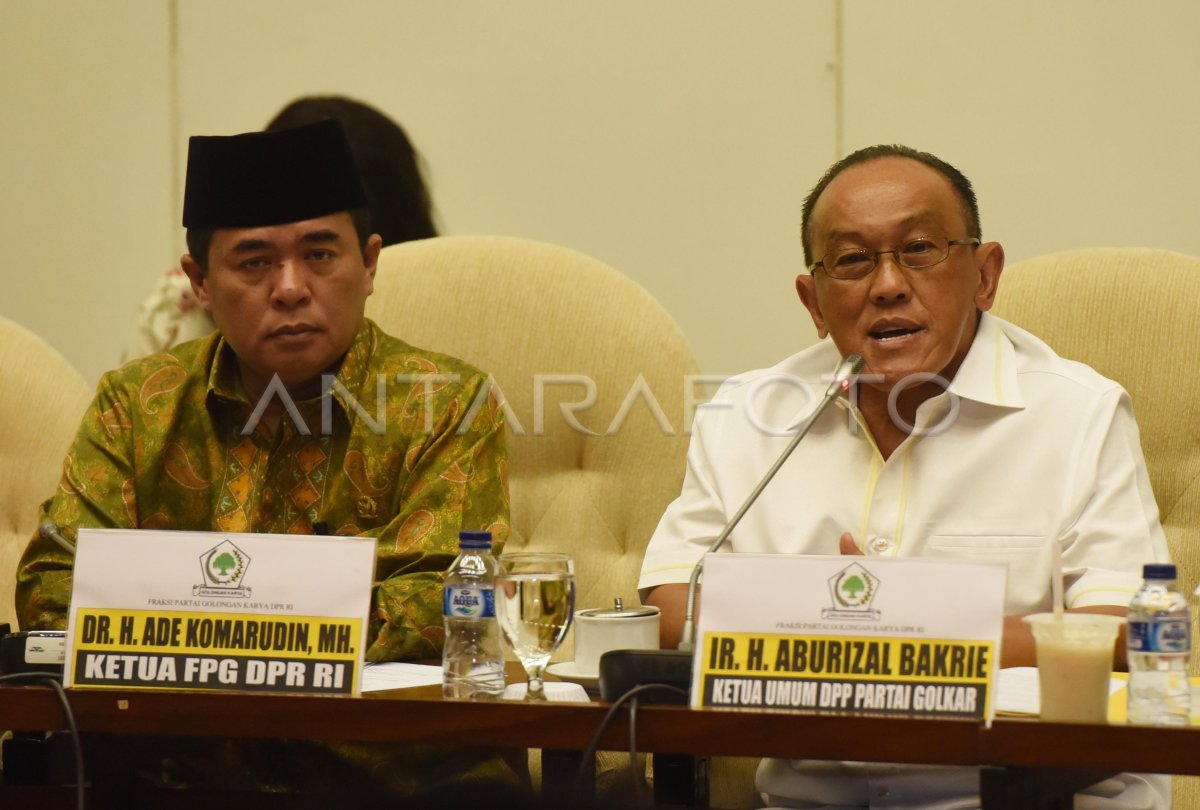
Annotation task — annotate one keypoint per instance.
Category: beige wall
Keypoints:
(673, 139)
(1077, 121)
(86, 197)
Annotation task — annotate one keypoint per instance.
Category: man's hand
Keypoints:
(847, 545)
(671, 600)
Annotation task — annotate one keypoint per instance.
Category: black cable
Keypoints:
(589, 754)
(639, 778)
(54, 680)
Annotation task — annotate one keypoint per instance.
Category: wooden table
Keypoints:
(1018, 755)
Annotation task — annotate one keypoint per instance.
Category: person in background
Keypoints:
(261, 427)
(397, 197)
(965, 438)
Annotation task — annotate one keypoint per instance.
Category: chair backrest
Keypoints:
(1131, 314)
(41, 401)
(555, 329)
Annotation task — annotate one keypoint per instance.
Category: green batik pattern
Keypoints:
(161, 447)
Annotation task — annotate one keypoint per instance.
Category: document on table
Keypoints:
(1017, 691)
(377, 677)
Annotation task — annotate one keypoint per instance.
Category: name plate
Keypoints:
(849, 634)
(214, 611)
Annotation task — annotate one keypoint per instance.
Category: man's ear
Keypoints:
(806, 286)
(989, 258)
(195, 274)
(371, 260)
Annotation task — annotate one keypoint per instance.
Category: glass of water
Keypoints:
(535, 602)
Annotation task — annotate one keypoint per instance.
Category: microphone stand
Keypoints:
(49, 531)
(843, 378)
(621, 670)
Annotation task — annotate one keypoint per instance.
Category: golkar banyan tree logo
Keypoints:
(851, 591)
(223, 567)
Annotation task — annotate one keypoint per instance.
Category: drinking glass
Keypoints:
(535, 602)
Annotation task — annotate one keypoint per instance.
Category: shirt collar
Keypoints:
(351, 375)
(988, 373)
(225, 381)
(842, 402)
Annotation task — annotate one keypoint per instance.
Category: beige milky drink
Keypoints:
(1074, 657)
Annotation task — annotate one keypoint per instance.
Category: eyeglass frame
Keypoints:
(812, 268)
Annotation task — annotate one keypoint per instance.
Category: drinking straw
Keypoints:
(1056, 582)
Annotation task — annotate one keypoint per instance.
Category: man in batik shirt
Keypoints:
(299, 415)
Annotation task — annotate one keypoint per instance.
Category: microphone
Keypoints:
(843, 378)
(49, 531)
(621, 670)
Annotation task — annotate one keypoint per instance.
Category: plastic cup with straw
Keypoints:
(1074, 656)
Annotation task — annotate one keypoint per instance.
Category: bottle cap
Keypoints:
(475, 540)
(1158, 571)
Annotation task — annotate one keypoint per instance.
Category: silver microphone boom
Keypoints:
(49, 531)
(843, 378)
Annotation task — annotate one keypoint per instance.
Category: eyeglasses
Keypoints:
(916, 254)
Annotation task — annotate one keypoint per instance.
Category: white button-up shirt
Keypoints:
(1024, 455)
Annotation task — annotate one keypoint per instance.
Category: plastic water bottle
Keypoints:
(1159, 646)
(472, 658)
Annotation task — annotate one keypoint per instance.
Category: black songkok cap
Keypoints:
(270, 178)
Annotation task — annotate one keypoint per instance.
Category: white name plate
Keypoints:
(849, 634)
(216, 611)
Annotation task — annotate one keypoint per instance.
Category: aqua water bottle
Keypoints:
(1159, 648)
(472, 657)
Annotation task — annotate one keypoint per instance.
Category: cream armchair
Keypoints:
(44, 399)
(1131, 313)
(594, 370)
(600, 380)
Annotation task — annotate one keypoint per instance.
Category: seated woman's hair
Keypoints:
(399, 201)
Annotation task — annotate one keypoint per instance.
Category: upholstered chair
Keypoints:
(1132, 314)
(42, 401)
(601, 383)
(595, 374)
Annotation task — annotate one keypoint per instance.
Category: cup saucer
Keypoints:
(555, 692)
(566, 671)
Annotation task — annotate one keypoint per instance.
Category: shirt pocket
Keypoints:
(1025, 556)
(962, 545)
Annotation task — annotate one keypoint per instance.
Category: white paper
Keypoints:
(377, 677)
(1017, 690)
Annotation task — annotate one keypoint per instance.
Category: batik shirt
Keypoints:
(405, 445)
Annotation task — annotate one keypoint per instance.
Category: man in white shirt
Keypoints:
(965, 437)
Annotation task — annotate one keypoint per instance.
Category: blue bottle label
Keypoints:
(467, 602)
(1162, 636)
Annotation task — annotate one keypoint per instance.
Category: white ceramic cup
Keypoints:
(599, 630)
